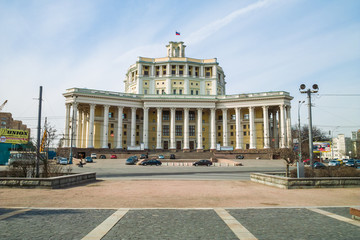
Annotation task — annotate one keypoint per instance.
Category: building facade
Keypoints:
(176, 103)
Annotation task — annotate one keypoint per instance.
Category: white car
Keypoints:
(63, 161)
(93, 155)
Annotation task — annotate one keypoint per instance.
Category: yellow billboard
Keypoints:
(14, 136)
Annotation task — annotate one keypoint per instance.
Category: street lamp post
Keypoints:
(72, 134)
(299, 130)
(315, 89)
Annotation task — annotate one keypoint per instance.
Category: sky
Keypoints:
(262, 45)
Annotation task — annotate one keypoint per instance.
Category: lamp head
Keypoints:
(315, 87)
(302, 86)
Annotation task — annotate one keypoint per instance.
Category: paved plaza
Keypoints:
(207, 223)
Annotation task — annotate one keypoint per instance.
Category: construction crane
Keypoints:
(2, 105)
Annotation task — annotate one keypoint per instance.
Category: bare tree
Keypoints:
(289, 156)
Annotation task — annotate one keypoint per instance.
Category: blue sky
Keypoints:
(268, 45)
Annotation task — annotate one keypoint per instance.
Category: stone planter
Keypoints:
(279, 180)
(48, 183)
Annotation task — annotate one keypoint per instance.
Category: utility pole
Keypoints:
(38, 135)
(315, 89)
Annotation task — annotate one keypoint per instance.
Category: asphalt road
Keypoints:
(116, 169)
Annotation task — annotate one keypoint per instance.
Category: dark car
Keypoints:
(143, 156)
(202, 163)
(151, 162)
(131, 161)
(172, 156)
(89, 159)
(239, 157)
(319, 165)
(350, 163)
(102, 157)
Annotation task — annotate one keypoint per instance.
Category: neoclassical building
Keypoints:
(176, 103)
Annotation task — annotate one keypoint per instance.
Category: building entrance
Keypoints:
(166, 144)
(192, 145)
(178, 145)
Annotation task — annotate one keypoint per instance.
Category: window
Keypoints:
(191, 115)
(181, 70)
(232, 142)
(233, 117)
(178, 130)
(153, 128)
(137, 133)
(191, 130)
(203, 139)
(174, 91)
(137, 142)
(231, 133)
(178, 115)
(145, 83)
(157, 91)
(203, 121)
(174, 83)
(137, 126)
(157, 71)
(124, 133)
(166, 115)
(219, 134)
(112, 125)
(180, 91)
(125, 126)
(111, 114)
(220, 117)
(166, 130)
(192, 92)
(244, 126)
(197, 92)
(203, 129)
(219, 127)
(231, 126)
(244, 133)
(246, 116)
(190, 70)
(124, 141)
(173, 69)
(145, 91)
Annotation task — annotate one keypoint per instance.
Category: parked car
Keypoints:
(239, 157)
(89, 159)
(172, 156)
(307, 161)
(63, 161)
(161, 156)
(113, 156)
(350, 163)
(102, 157)
(93, 155)
(334, 163)
(151, 162)
(202, 163)
(135, 157)
(319, 165)
(131, 161)
(143, 156)
(357, 163)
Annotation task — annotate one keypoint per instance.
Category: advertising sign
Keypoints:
(14, 136)
(322, 147)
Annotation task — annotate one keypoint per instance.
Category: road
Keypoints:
(116, 169)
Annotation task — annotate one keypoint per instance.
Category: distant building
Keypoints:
(177, 103)
(355, 142)
(8, 122)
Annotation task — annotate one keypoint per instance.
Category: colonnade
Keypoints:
(276, 121)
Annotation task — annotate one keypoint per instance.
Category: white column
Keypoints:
(105, 126)
(202, 88)
(146, 128)
(213, 129)
(168, 86)
(79, 128)
(201, 71)
(172, 128)
(225, 127)
(214, 72)
(282, 127)
(186, 129)
(199, 129)
(239, 135)
(288, 126)
(252, 128)
(87, 130)
(83, 130)
(133, 126)
(91, 127)
(159, 129)
(119, 128)
(276, 129)
(168, 70)
(152, 70)
(67, 124)
(266, 127)
(73, 124)
(186, 73)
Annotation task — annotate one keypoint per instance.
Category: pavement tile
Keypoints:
(170, 224)
(293, 223)
(52, 224)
